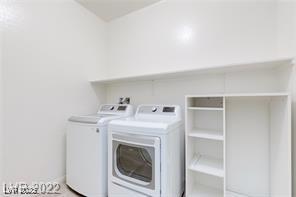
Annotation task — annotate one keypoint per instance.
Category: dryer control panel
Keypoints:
(158, 112)
(158, 109)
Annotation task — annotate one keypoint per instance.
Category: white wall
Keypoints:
(293, 15)
(50, 50)
(286, 32)
(1, 109)
(175, 35)
(287, 45)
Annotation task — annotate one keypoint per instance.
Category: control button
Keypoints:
(154, 109)
(111, 108)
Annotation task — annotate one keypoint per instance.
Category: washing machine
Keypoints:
(146, 153)
(87, 150)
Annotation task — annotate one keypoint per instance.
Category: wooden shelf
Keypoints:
(207, 165)
(207, 134)
(202, 191)
(206, 108)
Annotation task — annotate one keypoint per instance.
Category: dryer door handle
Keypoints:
(98, 130)
(140, 140)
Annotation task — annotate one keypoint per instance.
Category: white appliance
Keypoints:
(87, 149)
(146, 153)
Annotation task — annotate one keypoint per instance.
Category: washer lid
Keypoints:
(106, 113)
(94, 118)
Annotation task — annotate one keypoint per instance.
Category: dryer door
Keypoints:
(136, 160)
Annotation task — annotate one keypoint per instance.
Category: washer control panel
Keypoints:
(113, 108)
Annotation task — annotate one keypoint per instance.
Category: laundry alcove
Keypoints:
(238, 123)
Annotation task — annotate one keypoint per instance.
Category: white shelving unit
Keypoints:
(205, 145)
(238, 145)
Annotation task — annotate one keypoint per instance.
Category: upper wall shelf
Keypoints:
(263, 94)
(271, 63)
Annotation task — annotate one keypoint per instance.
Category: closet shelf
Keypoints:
(207, 134)
(207, 165)
(206, 69)
(207, 108)
(203, 190)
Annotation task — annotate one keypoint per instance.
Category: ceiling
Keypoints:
(111, 9)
